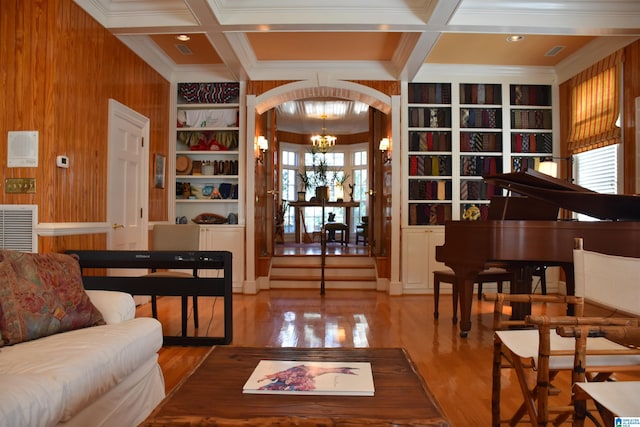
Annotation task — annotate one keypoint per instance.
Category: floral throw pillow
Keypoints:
(41, 295)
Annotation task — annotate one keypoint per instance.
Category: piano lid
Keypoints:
(616, 207)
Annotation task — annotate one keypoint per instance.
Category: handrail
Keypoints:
(323, 249)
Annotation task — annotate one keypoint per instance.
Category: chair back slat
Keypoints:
(608, 280)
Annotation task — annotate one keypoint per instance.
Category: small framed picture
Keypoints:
(160, 169)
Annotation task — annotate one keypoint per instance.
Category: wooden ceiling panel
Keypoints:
(494, 49)
(325, 46)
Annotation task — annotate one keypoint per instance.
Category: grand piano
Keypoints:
(523, 232)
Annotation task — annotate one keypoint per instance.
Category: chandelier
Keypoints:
(323, 142)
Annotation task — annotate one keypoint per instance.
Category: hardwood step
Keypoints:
(306, 272)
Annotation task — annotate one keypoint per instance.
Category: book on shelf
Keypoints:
(311, 378)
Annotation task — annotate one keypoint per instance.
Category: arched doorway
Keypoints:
(260, 192)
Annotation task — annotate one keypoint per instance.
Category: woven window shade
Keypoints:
(595, 105)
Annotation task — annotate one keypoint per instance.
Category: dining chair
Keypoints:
(176, 237)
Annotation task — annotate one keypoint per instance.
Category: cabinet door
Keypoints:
(419, 260)
(226, 238)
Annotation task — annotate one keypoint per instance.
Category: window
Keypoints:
(597, 170)
(348, 160)
(288, 186)
(360, 183)
(595, 137)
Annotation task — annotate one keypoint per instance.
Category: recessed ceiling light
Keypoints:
(183, 37)
(514, 39)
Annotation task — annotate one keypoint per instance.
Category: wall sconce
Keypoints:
(385, 148)
(263, 145)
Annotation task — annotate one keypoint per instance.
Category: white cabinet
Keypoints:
(419, 257)
(226, 238)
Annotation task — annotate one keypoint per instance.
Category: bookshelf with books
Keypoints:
(207, 151)
(429, 184)
(531, 120)
(209, 167)
(468, 129)
(480, 146)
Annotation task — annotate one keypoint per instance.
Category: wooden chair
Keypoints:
(611, 398)
(176, 237)
(362, 231)
(595, 358)
(540, 349)
(515, 347)
(332, 230)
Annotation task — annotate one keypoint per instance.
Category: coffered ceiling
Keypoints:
(358, 39)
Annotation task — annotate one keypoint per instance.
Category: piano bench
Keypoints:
(498, 275)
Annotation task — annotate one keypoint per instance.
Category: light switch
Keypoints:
(62, 161)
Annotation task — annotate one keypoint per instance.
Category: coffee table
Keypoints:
(212, 393)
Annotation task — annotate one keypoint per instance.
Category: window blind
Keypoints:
(594, 105)
(597, 170)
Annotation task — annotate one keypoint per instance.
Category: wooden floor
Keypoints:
(457, 370)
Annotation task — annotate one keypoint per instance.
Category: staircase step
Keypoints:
(305, 272)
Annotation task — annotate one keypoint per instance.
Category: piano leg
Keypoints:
(465, 278)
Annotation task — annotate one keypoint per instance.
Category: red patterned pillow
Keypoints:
(40, 295)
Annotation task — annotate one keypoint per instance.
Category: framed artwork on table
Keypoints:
(160, 169)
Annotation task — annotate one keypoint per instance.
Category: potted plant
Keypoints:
(321, 178)
(340, 178)
(305, 184)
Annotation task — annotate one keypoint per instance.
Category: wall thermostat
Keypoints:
(62, 161)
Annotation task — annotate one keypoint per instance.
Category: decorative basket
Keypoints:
(210, 218)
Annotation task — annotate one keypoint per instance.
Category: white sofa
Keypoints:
(104, 375)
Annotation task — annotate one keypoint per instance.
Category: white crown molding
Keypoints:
(570, 17)
(590, 54)
(488, 73)
(327, 12)
(306, 70)
(156, 13)
(146, 49)
(215, 73)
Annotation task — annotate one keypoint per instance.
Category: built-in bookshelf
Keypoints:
(430, 153)
(460, 132)
(531, 125)
(207, 151)
(480, 145)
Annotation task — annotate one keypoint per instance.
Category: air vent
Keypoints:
(184, 49)
(554, 51)
(17, 227)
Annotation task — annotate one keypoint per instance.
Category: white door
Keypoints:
(128, 179)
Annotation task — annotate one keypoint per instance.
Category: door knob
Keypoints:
(117, 226)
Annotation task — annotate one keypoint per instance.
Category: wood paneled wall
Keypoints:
(631, 90)
(59, 69)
